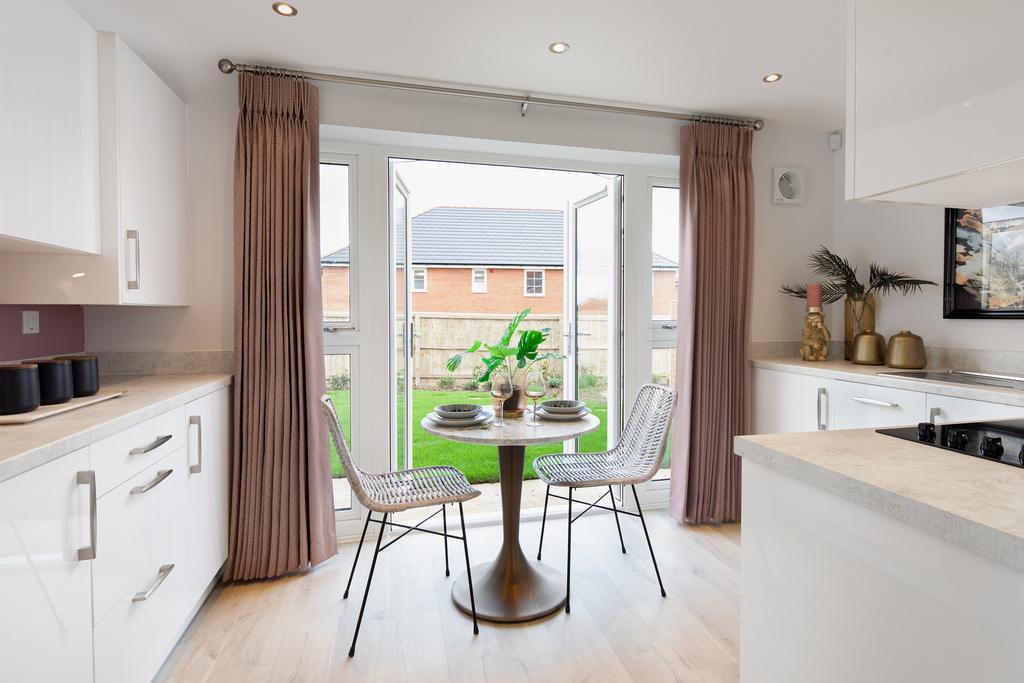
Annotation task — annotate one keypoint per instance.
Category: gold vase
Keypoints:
(865, 307)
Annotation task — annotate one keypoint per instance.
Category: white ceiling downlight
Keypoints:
(559, 48)
(772, 78)
(284, 9)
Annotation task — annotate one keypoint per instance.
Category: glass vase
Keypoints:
(859, 315)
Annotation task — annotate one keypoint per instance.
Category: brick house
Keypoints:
(486, 260)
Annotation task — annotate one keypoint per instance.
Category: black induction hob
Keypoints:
(998, 440)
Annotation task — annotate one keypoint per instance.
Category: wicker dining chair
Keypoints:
(392, 492)
(636, 458)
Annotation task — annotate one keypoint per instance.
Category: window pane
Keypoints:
(335, 254)
(339, 387)
(665, 247)
(663, 371)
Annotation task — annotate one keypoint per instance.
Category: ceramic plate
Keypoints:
(562, 417)
(481, 417)
(563, 406)
(457, 411)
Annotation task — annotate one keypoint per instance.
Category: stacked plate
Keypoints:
(562, 410)
(460, 415)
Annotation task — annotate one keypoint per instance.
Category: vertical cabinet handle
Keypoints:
(197, 420)
(822, 417)
(89, 479)
(161, 575)
(934, 413)
(133, 236)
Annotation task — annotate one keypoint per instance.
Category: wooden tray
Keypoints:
(49, 411)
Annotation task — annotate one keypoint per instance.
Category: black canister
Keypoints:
(85, 374)
(19, 388)
(55, 384)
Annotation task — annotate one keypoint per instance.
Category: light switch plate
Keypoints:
(30, 322)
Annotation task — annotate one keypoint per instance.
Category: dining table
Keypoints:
(512, 587)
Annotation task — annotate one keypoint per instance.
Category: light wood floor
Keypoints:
(299, 629)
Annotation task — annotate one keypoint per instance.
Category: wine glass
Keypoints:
(501, 389)
(536, 388)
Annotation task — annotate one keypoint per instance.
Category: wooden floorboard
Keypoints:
(299, 629)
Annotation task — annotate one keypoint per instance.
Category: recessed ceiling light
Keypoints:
(78, 275)
(284, 9)
(559, 47)
(771, 78)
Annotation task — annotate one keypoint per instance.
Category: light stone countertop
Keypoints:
(23, 447)
(973, 503)
(868, 374)
(516, 432)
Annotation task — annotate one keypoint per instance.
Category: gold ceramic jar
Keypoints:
(906, 351)
(868, 349)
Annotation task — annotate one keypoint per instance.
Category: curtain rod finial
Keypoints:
(758, 124)
(225, 66)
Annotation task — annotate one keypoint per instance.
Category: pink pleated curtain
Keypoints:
(716, 191)
(282, 510)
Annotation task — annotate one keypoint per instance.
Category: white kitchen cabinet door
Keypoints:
(45, 589)
(926, 121)
(49, 188)
(790, 402)
(209, 455)
(945, 409)
(860, 406)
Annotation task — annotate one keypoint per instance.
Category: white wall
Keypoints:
(784, 234)
(909, 238)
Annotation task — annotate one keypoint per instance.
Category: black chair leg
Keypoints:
(444, 519)
(568, 552)
(469, 571)
(611, 494)
(543, 521)
(356, 561)
(369, 579)
(648, 536)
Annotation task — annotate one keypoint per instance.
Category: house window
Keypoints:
(419, 279)
(479, 280)
(533, 282)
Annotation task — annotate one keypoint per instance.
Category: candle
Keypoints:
(814, 295)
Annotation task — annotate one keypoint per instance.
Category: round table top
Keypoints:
(516, 432)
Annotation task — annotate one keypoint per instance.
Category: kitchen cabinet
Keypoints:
(49, 132)
(858, 406)
(142, 179)
(46, 546)
(790, 402)
(935, 96)
(943, 409)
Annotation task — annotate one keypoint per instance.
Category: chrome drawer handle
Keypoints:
(157, 443)
(160, 476)
(133, 236)
(89, 479)
(161, 576)
(822, 423)
(874, 402)
(197, 420)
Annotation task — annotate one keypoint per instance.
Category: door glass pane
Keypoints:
(400, 207)
(665, 247)
(335, 251)
(338, 369)
(663, 372)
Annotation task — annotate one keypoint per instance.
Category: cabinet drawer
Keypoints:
(123, 455)
(140, 528)
(943, 409)
(859, 406)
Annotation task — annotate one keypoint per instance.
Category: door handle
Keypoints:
(822, 423)
(157, 443)
(160, 476)
(197, 420)
(934, 413)
(874, 402)
(161, 576)
(133, 235)
(89, 479)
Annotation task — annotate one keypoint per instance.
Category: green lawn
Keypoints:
(479, 463)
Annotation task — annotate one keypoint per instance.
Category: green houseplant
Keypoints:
(842, 281)
(511, 359)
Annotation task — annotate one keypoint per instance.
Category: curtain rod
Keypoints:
(524, 101)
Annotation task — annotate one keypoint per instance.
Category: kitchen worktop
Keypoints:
(868, 374)
(976, 504)
(25, 446)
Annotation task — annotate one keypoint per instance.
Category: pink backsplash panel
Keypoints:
(61, 330)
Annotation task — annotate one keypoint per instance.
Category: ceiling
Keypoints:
(694, 56)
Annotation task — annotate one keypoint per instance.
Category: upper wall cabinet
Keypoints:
(143, 227)
(934, 103)
(49, 149)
